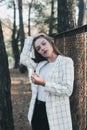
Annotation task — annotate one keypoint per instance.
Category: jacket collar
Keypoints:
(40, 65)
(45, 62)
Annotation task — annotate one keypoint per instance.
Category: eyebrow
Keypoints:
(43, 41)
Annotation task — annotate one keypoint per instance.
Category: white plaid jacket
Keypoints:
(58, 88)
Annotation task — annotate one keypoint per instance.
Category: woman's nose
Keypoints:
(42, 48)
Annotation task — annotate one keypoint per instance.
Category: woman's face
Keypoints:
(43, 47)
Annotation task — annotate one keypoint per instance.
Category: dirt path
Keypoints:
(20, 94)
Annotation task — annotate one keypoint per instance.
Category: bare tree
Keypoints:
(21, 30)
(29, 17)
(6, 117)
(51, 18)
(82, 16)
(15, 47)
(66, 15)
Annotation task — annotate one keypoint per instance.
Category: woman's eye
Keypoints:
(43, 43)
(38, 48)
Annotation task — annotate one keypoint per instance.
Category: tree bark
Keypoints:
(82, 20)
(6, 116)
(51, 18)
(22, 35)
(66, 15)
(15, 47)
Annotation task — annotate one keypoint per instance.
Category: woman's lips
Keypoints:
(45, 52)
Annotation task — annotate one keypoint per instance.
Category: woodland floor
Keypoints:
(20, 95)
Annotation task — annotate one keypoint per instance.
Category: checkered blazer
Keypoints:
(58, 88)
(26, 54)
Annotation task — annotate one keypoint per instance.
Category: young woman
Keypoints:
(52, 85)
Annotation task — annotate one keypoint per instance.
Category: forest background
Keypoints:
(33, 16)
(29, 17)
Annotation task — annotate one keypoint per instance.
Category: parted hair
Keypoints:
(38, 58)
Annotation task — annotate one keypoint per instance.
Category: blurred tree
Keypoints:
(66, 15)
(21, 27)
(45, 16)
(15, 39)
(6, 117)
(40, 15)
(82, 16)
(1, 0)
(51, 18)
(29, 18)
(42, 12)
(22, 68)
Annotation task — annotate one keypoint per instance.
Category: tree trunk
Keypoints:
(82, 13)
(29, 18)
(22, 68)
(51, 18)
(15, 48)
(66, 15)
(6, 117)
(22, 35)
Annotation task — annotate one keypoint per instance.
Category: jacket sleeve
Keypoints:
(27, 53)
(66, 86)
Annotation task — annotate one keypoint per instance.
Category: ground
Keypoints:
(20, 95)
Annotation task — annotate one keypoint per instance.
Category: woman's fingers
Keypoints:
(36, 78)
(35, 75)
(39, 34)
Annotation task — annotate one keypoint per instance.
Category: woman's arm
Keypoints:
(66, 86)
(27, 53)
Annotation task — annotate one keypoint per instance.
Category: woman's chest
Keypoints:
(56, 74)
(52, 72)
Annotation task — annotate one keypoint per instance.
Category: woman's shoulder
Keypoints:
(66, 59)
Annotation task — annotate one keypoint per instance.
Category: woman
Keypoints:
(52, 85)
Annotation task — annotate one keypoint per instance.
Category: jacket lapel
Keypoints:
(40, 65)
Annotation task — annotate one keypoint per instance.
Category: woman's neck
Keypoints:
(52, 58)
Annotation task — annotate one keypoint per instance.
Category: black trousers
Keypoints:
(39, 120)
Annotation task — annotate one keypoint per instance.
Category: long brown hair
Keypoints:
(38, 58)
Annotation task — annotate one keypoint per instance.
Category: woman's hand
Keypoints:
(36, 79)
